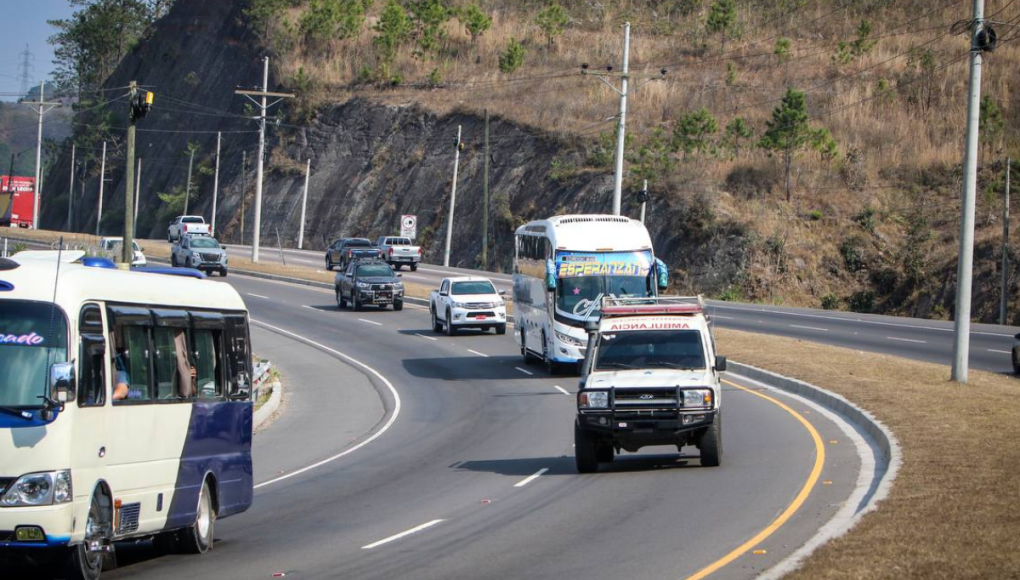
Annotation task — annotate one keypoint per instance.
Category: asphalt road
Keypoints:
(445, 457)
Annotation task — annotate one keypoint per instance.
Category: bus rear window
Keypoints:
(33, 336)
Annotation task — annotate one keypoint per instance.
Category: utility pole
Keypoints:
(187, 192)
(262, 147)
(42, 108)
(644, 200)
(70, 190)
(244, 188)
(138, 106)
(84, 181)
(453, 199)
(102, 182)
(304, 207)
(138, 191)
(1003, 295)
(485, 199)
(964, 274)
(216, 185)
(621, 127)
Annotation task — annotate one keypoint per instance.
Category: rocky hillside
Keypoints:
(869, 223)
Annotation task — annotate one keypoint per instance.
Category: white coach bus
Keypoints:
(563, 266)
(125, 410)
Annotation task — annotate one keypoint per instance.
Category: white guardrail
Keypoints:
(261, 373)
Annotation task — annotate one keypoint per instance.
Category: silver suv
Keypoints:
(199, 252)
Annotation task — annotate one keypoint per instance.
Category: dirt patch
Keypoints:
(954, 509)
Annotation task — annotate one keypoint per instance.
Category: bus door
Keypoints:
(90, 432)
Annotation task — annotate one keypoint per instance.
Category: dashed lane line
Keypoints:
(531, 478)
(426, 336)
(809, 327)
(527, 372)
(402, 534)
(258, 296)
(370, 321)
(999, 351)
(906, 340)
(562, 390)
(478, 353)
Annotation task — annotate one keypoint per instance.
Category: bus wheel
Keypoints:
(86, 559)
(198, 537)
(529, 359)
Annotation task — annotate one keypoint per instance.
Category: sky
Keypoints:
(24, 23)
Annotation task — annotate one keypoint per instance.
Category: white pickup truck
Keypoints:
(650, 377)
(398, 251)
(187, 224)
(467, 302)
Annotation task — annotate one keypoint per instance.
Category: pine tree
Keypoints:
(990, 122)
(393, 30)
(513, 58)
(736, 131)
(475, 21)
(721, 18)
(552, 20)
(788, 131)
(693, 131)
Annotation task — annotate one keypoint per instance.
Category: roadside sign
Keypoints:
(409, 226)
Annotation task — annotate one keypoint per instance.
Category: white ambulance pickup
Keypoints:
(650, 377)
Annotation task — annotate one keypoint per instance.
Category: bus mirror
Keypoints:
(62, 383)
(550, 275)
(591, 326)
(661, 274)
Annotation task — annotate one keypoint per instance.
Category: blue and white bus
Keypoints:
(125, 410)
(563, 266)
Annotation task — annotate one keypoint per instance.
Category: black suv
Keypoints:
(369, 282)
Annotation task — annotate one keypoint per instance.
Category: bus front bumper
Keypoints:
(39, 527)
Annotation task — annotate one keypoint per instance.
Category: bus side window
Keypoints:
(92, 350)
(238, 355)
(208, 359)
(173, 374)
(134, 360)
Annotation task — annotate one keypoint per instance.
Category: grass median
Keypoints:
(954, 509)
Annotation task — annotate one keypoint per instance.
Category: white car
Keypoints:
(467, 302)
(113, 245)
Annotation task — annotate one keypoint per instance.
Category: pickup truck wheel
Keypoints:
(398, 305)
(223, 272)
(341, 302)
(414, 267)
(501, 329)
(450, 329)
(585, 456)
(436, 325)
(604, 453)
(711, 443)
(169, 238)
(173, 261)
(329, 265)
(397, 267)
(355, 302)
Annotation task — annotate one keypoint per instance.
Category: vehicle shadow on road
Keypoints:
(467, 368)
(563, 465)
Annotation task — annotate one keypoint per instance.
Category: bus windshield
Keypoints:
(33, 336)
(582, 278)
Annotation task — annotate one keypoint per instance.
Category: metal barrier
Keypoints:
(261, 373)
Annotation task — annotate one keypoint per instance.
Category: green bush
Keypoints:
(815, 215)
(866, 219)
(513, 58)
(862, 301)
(830, 301)
(852, 251)
(731, 294)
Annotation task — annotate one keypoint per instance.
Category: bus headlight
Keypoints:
(697, 398)
(37, 489)
(568, 339)
(593, 400)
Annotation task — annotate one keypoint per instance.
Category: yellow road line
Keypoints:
(791, 509)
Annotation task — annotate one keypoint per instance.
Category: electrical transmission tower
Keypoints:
(25, 70)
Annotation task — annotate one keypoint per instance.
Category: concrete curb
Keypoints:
(271, 406)
(887, 461)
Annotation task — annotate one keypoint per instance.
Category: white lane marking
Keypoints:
(529, 373)
(1000, 351)
(809, 327)
(303, 261)
(378, 375)
(402, 534)
(860, 320)
(723, 317)
(906, 340)
(562, 390)
(259, 296)
(478, 353)
(424, 336)
(308, 307)
(531, 478)
(370, 321)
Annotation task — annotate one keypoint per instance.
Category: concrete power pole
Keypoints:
(1004, 294)
(128, 254)
(453, 199)
(485, 199)
(304, 207)
(102, 182)
(644, 192)
(41, 109)
(187, 192)
(964, 274)
(216, 186)
(70, 191)
(244, 188)
(262, 148)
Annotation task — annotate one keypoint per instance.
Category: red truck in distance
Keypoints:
(17, 201)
